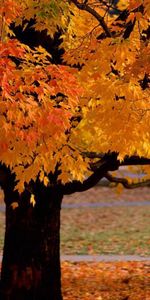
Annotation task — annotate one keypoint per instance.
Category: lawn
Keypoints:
(105, 230)
(117, 230)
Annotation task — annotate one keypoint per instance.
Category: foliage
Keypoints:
(103, 84)
(113, 76)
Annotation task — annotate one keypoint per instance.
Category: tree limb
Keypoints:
(86, 7)
(125, 181)
(104, 166)
(135, 160)
(128, 160)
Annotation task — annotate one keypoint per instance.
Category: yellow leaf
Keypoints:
(46, 181)
(41, 176)
(14, 205)
(32, 200)
(119, 188)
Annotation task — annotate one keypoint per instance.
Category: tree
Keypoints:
(71, 95)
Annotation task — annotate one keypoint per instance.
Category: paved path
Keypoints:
(101, 258)
(2, 208)
(106, 204)
(104, 258)
(98, 204)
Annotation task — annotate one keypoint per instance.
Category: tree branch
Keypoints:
(84, 6)
(128, 160)
(104, 166)
(125, 182)
(135, 160)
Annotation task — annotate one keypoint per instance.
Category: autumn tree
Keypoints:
(74, 105)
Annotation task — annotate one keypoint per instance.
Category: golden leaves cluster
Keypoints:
(39, 100)
(116, 111)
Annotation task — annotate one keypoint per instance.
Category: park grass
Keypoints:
(115, 230)
(105, 230)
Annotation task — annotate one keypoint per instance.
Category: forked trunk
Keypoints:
(31, 258)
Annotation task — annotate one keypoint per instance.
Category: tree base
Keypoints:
(31, 259)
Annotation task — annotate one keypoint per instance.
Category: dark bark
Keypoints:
(31, 258)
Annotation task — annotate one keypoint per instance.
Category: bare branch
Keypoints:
(125, 181)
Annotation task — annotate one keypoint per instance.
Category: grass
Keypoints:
(111, 230)
(118, 230)
(102, 231)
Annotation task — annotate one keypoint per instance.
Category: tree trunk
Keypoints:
(31, 258)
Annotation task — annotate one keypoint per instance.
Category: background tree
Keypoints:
(74, 105)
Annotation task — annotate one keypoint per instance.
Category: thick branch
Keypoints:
(128, 160)
(98, 174)
(135, 160)
(125, 182)
(84, 6)
(129, 29)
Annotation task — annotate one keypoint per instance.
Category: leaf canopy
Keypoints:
(96, 100)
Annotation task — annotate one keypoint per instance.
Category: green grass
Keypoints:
(119, 230)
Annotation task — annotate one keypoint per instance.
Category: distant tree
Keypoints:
(74, 105)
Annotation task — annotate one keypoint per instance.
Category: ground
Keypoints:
(119, 229)
(107, 230)
(104, 230)
(106, 281)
